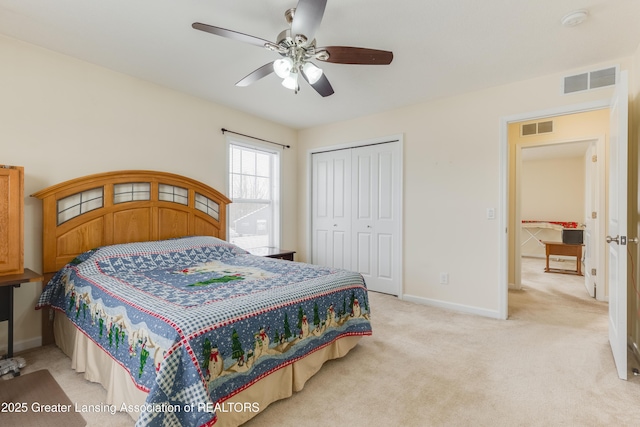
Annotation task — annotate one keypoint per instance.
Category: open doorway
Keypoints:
(560, 191)
(557, 182)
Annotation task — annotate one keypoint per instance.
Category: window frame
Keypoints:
(275, 232)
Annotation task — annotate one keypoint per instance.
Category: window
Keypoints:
(254, 187)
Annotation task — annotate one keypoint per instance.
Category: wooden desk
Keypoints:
(559, 248)
(7, 283)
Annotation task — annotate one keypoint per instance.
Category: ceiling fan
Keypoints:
(297, 46)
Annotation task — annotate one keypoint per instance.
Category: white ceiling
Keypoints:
(441, 47)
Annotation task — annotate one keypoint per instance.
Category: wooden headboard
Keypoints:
(123, 207)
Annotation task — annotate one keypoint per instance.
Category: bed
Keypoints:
(181, 327)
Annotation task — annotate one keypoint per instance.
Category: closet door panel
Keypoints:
(356, 212)
(385, 250)
(363, 186)
(320, 247)
(363, 253)
(385, 186)
(340, 250)
(378, 207)
(331, 209)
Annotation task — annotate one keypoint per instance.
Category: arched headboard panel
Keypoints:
(124, 207)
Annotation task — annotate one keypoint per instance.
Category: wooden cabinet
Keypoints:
(11, 220)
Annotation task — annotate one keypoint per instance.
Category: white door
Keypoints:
(591, 223)
(331, 209)
(617, 226)
(376, 180)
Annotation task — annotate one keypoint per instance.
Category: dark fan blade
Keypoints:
(307, 17)
(234, 35)
(322, 86)
(356, 55)
(261, 72)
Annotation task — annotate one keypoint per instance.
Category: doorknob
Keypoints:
(616, 239)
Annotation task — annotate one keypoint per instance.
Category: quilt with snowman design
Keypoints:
(195, 320)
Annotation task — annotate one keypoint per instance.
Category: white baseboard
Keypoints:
(19, 346)
(453, 307)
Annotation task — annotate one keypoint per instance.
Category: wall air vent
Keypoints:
(545, 127)
(537, 128)
(589, 80)
(529, 129)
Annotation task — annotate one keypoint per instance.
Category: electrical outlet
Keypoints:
(444, 278)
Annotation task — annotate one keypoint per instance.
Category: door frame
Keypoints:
(503, 303)
(600, 198)
(309, 185)
(599, 142)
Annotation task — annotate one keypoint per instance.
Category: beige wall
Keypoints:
(62, 118)
(553, 189)
(451, 176)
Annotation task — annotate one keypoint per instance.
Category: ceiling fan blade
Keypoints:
(261, 72)
(230, 34)
(356, 55)
(322, 86)
(307, 18)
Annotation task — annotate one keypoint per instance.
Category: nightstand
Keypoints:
(7, 283)
(271, 252)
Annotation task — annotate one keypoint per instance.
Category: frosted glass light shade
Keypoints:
(282, 67)
(291, 81)
(312, 72)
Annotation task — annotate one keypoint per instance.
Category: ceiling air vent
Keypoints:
(537, 128)
(590, 80)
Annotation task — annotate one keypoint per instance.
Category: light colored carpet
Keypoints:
(550, 364)
(35, 399)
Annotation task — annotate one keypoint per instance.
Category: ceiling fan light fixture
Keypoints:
(282, 67)
(291, 81)
(312, 72)
(297, 46)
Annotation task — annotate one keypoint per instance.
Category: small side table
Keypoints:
(271, 252)
(7, 284)
(559, 248)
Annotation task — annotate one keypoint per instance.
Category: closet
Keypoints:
(356, 208)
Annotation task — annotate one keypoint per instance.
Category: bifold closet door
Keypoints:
(376, 216)
(356, 213)
(331, 209)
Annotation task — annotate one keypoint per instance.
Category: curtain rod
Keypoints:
(253, 137)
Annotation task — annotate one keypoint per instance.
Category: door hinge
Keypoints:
(594, 215)
(593, 271)
(594, 158)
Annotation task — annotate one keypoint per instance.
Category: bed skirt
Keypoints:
(98, 366)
